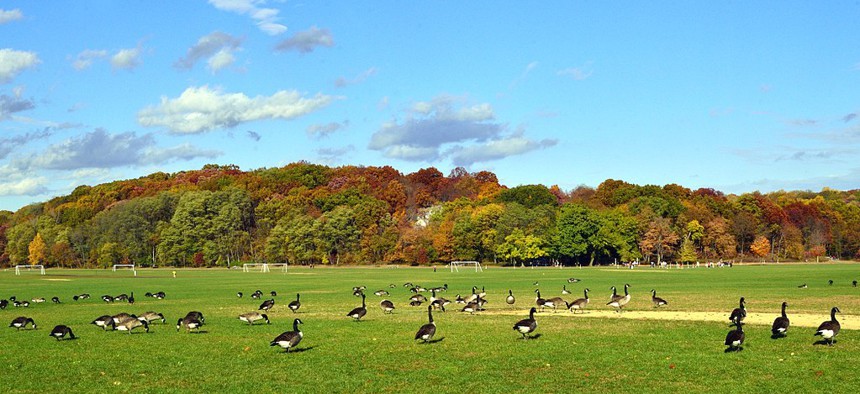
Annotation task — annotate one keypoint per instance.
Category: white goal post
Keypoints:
(455, 265)
(264, 267)
(28, 267)
(133, 269)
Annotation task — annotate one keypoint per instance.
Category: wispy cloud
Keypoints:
(253, 135)
(24, 186)
(497, 150)
(266, 19)
(344, 82)
(200, 109)
(10, 15)
(580, 73)
(306, 41)
(11, 144)
(12, 62)
(334, 155)
(86, 58)
(216, 47)
(319, 131)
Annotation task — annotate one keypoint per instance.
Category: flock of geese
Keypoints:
(472, 303)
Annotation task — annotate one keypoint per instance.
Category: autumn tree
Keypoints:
(37, 250)
(659, 240)
(760, 247)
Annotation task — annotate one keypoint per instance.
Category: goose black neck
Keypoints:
(833, 314)
(430, 313)
(296, 325)
(532, 313)
(783, 309)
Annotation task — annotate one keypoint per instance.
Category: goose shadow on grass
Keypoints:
(433, 340)
(823, 342)
(733, 349)
(527, 337)
(299, 350)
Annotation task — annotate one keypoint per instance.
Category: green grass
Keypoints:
(479, 353)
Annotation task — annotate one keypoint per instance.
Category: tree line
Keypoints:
(305, 213)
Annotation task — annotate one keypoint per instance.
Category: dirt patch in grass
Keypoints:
(848, 322)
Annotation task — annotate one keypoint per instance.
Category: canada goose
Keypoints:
(392, 286)
(131, 298)
(25, 304)
(148, 294)
(267, 304)
(82, 296)
(780, 324)
(827, 330)
(131, 323)
(408, 284)
(21, 322)
(459, 300)
(573, 280)
(273, 293)
(38, 300)
(239, 294)
(107, 298)
(441, 289)
(564, 290)
(483, 293)
(658, 302)
(4, 304)
(151, 316)
(853, 283)
(618, 301)
(438, 303)
(555, 302)
(121, 297)
(104, 322)
(539, 301)
(359, 312)
(256, 295)
(160, 295)
(295, 305)
(739, 313)
(579, 304)
(415, 303)
(830, 282)
(289, 339)
(55, 300)
(427, 331)
(527, 326)
(471, 307)
(420, 289)
(510, 299)
(357, 293)
(251, 317)
(735, 338)
(380, 293)
(189, 323)
(62, 331)
(471, 297)
(387, 306)
(120, 317)
(196, 316)
(803, 286)
(418, 297)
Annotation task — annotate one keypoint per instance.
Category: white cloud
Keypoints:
(85, 59)
(334, 155)
(100, 149)
(266, 19)
(126, 59)
(28, 186)
(216, 47)
(12, 104)
(496, 150)
(9, 16)
(306, 41)
(220, 60)
(200, 109)
(12, 62)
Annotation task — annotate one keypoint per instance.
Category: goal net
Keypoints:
(456, 265)
(264, 267)
(27, 268)
(125, 266)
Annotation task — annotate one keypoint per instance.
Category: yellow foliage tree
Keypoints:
(38, 250)
(760, 247)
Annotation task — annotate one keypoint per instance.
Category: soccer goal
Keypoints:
(126, 266)
(19, 268)
(455, 265)
(264, 267)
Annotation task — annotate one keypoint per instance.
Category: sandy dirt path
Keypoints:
(848, 322)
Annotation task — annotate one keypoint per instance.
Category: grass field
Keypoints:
(474, 353)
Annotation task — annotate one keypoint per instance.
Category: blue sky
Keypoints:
(737, 96)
